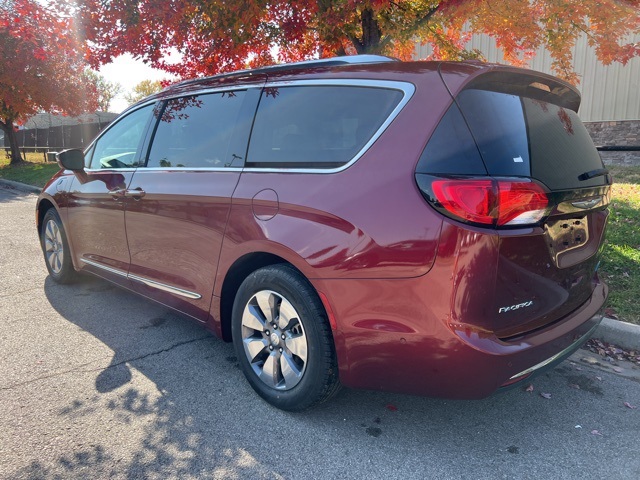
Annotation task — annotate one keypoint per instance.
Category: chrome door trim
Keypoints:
(115, 271)
(166, 288)
(146, 281)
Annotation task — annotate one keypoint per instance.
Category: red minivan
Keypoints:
(432, 228)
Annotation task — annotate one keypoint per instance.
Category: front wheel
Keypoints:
(283, 339)
(55, 247)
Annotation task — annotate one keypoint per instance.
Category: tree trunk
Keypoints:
(10, 134)
(371, 33)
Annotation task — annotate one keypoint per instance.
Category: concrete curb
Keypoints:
(623, 334)
(20, 186)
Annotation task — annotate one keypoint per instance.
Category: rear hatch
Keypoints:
(512, 159)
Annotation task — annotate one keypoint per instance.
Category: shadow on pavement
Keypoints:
(9, 193)
(200, 418)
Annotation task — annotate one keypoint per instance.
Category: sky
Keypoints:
(128, 72)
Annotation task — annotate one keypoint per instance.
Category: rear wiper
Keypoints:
(593, 174)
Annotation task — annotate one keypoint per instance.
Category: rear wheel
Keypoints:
(283, 339)
(56, 248)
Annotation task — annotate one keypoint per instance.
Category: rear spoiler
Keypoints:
(510, 80)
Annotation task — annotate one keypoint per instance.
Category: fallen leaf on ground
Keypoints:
(529, 388)
(611, 352)
(391, 408)
(598, 378)
(618, 369)
(628, 405)
(596, 432)
(574, 385)
(545, 395)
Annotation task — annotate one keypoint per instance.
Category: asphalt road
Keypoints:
(96, 382)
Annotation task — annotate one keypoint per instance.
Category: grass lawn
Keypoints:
(32, 172)
(620, 267)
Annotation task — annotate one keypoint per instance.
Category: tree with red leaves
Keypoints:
(42, 67)
(220, 36)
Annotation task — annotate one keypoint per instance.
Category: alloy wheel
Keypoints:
(274, 340)
(54, 250)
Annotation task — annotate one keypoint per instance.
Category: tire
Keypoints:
(292, 366)
(55, 247)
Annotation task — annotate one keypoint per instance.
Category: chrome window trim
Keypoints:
(146, 281)
(111, 170)
(189, 169)
(408, 89)
(211, 90)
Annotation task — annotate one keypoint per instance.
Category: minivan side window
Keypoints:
(317, 126)
(196, 131)
(120, 144)
(498, 125)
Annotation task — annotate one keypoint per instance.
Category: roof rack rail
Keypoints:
(321, 62)
(343, 60)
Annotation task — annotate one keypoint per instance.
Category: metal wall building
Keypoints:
(609, 93)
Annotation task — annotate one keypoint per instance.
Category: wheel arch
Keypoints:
(235, 275)
(41, 210)
(46, 202)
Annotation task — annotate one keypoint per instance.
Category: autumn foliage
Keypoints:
(212, 37)
(143, 89)
(42, 66)
(42, 43)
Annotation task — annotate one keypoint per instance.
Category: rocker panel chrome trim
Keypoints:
(146, 281)
(166, 288)
(115, 271)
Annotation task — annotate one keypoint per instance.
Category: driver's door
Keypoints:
(97, 198)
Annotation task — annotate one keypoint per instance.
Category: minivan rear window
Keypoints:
(561, 147)
(515, 137)
(317, 126)
(520, 136)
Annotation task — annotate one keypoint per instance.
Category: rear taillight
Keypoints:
(487, 201)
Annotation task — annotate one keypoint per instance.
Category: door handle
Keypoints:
(136, 193)
(117, 193)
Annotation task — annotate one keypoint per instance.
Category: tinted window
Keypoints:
(497, 123)
(561, 147)
(520, 136)
(451, 149)
(119, 146)
(317, 126)
(197, 131)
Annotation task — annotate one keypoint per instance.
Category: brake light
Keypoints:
(490, 201)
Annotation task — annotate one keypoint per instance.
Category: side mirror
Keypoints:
(72, 159)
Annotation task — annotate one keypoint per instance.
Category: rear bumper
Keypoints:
(390, 337)
(550, 362)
